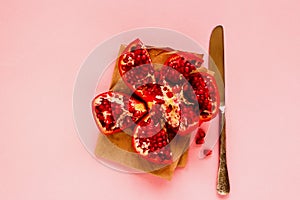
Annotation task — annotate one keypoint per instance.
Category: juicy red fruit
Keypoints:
(135, 65)
(205, 89)
(115, 111)
(183, 63)
(176, 100)
(179, 71)
(151, 141)
(199, 137)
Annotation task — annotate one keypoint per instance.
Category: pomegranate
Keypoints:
(150, 140)
(207, 152)
(172, 100)
(115, 111)
(205, 88)
(200, 135)
(194, 86)
(184, 63)
(135, 65)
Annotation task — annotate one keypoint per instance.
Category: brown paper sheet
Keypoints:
(117, 147)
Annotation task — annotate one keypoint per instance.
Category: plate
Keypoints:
(95, 74)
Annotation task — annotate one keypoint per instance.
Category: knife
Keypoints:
(216, 52)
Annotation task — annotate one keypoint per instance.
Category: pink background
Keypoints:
(43, 44)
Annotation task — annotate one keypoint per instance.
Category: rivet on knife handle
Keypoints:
(223, 186)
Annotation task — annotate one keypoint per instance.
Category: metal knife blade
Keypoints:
(216, 61)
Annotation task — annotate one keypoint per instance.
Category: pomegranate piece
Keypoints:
(194, 87)
(115, 111)
(135, 65)
(150, 140)
(184, 63)
(206, 91)
(199, 137)
(207, 152)
(196, 91)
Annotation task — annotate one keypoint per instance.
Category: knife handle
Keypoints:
(223, 186)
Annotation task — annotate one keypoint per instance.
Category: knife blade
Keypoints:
(216, 61)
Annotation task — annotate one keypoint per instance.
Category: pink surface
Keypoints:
(43, 44)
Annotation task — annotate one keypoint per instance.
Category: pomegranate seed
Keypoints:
(144, 57)
(169, 94)
(186, 69)
(201, 133)
(207, 152)
(199, 141)
(159, 144)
